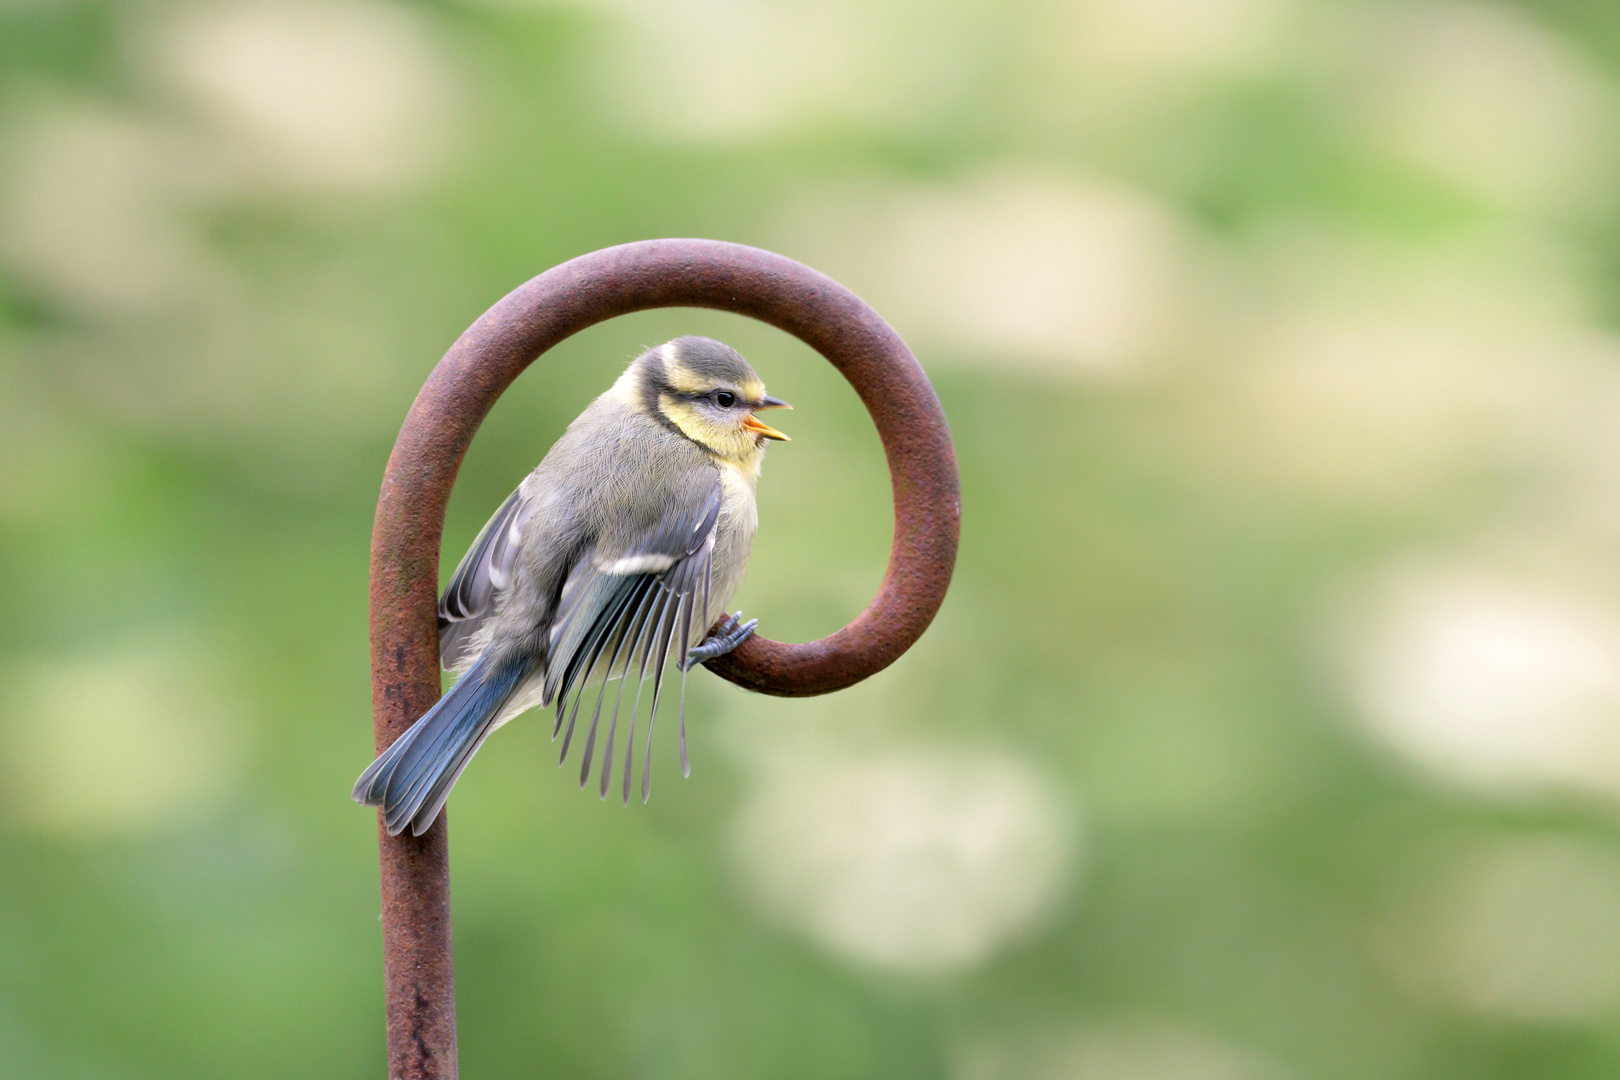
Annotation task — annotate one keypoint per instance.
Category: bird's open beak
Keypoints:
(753, 422)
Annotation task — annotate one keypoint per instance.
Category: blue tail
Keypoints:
(413, 777)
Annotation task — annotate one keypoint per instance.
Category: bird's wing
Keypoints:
(625, 608)
(469, 598)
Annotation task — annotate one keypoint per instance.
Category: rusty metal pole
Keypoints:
(419, 979)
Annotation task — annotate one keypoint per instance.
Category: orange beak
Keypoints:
(753, 422)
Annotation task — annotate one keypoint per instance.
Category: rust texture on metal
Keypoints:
(416, 490)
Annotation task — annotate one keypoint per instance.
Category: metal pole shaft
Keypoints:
(418, 969)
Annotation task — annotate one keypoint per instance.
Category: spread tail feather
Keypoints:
(412, 778)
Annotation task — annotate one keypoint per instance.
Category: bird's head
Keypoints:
(710, 394)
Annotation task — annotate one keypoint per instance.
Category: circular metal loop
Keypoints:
(419, 977)
(709, 274)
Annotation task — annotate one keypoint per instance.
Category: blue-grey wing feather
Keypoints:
(629, 608)
(469, 597)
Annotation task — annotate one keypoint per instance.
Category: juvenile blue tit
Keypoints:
(614, 556)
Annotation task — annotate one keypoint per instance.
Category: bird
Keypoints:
(615, 555)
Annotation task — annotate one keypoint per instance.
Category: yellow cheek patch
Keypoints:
(683, 416)
(678, 411)
(730, 443)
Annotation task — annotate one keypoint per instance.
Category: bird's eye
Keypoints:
(725, 399)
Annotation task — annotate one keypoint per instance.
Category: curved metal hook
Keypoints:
(416, 490)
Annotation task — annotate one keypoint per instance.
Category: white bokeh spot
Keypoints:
(1500, 686)
(1125, 1048)
(1524, 929)
(1480, 97)
(913, 862)
(1010, 268)
(350, 94)
(133, 738)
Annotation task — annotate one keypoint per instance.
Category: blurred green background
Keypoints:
(1271, 728)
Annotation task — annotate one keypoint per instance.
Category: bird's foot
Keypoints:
(732, 633)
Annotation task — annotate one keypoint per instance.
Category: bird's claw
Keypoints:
(732, 633)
